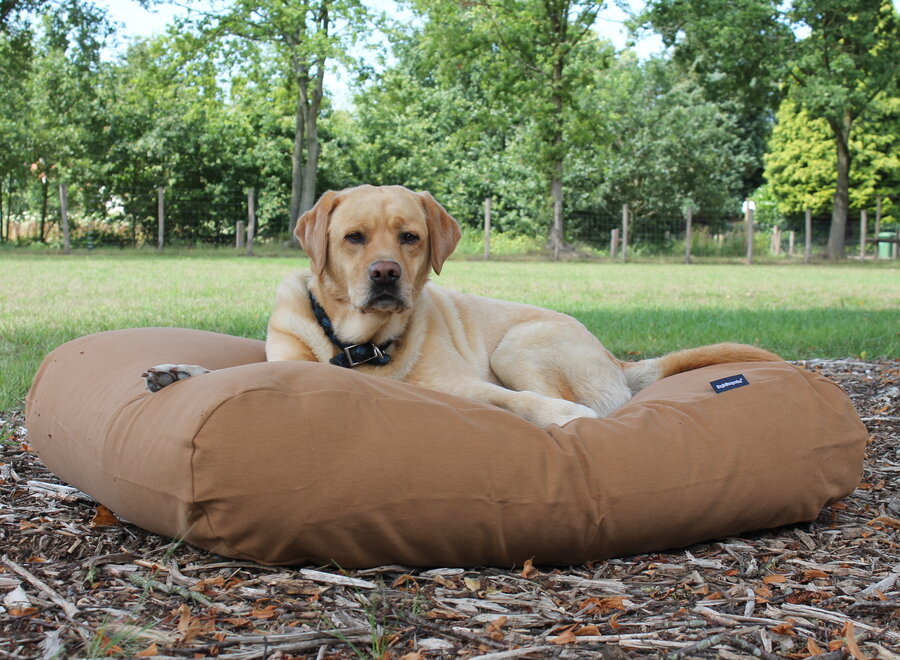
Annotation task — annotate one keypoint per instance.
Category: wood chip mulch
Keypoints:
(75, 582)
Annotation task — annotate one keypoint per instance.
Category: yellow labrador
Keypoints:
(367, 304)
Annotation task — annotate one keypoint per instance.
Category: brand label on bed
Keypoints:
(730, 383)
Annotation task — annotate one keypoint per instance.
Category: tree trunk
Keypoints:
(297, 161)
(311, 167)
(305, 159)
(556, 193)
(45, 193)
(556, 180)
(841, 208)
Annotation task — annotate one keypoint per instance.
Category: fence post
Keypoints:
(64, 216)
(792, 236)
(239, 234)
(748, 220)
(624, 232)
(161, 216)
(863, 226)
(688, 220)
(807, 250)
(877, 223)
(776, 240)
(613, 242)
(251, 220)
(487, 228)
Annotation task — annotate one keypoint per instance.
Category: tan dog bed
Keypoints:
(292, 462)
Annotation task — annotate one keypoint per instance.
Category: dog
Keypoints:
(367, 304)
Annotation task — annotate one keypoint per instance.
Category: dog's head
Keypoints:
(374, 246)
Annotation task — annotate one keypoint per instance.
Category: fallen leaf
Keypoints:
(108, 648)
(884, 521)
(404, 580)
(774, 579)
(237, 621)
(495, 625)
(412, 655)
(850, 640)
(22, 611)
(103, 517)
(809, 576)
(812, 647)
(587, 631)
(264, 612)
(472, 585)
(784, 629)
(190, 626)
(444, 582)
(568, 637)
(206, 585)
(148, 652)
(528, 570)
(602, 605)
(806, 597)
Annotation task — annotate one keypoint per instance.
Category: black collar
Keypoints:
(351, 355)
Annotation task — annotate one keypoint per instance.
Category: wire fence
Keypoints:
(160, 217)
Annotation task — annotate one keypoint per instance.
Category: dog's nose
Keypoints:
(384, 272)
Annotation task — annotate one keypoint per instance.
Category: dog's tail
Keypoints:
(640, 374)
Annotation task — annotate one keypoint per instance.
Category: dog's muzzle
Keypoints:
(384, 293)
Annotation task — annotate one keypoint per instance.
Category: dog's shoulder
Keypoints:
(293, 289)
(293, 331)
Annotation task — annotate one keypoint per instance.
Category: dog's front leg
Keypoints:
(162, 375)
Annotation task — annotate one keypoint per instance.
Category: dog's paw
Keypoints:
(562, 412)
(162, 375)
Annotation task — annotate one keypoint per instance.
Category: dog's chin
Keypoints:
(384, 302)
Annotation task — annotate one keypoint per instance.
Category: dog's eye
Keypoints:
(408, 238)
(355, 237)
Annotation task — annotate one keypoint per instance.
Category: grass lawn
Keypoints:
(636, 310)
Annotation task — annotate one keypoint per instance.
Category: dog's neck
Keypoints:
(354, 327)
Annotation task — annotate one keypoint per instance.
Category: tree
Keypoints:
(428, 124)
(844, 57)
(180, 117)
(849, 57)
(16, 57)
(11, 12)
(668, 147)
(733, 50)
(306, 36)
(62, 94)
(800, 161)
(540, 43)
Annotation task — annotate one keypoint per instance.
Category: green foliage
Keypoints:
(800, 160)
(516, 100)
(669, 147)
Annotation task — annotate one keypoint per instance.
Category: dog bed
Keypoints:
(296, 462)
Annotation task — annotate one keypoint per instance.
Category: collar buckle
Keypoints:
(377, 354)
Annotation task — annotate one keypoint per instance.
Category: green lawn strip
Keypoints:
(636, 310)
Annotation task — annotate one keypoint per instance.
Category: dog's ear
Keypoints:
(312, 230)
(443, 231)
